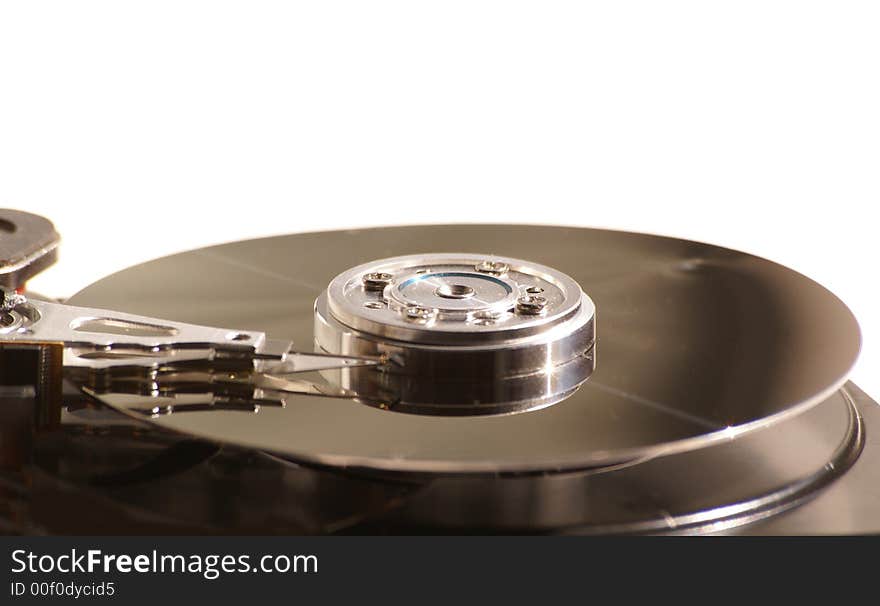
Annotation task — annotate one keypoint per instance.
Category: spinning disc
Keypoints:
(693, 344)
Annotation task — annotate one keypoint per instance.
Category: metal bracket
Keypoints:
(28, 245)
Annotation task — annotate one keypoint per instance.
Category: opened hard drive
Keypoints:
(432, 379)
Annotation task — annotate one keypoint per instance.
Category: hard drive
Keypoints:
(433, 379)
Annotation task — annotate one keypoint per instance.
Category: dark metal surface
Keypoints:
(697, 344)
(729, 485)
(97, 472)
(851, 505)
(28, 245)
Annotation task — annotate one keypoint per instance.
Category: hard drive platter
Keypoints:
(469, 378)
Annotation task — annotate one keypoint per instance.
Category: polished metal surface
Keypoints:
(28, 245)
(466, 305)
(98, 473)
(462, 334)
(719, 488)
(851, 504)
(698, 344)
(103, 350)
(84, 331)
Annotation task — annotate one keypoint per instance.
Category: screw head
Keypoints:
(10, 299)
(531, 305)
(376, 280)
(415, 313)
(492, 267)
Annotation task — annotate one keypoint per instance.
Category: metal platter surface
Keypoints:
(695, 345)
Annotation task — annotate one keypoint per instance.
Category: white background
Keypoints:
(146, 128)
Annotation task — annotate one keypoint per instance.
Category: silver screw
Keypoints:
(377, 280)
(415, 313)
(492, 267)
(531, 305)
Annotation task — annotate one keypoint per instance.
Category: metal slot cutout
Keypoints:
(115, 326)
